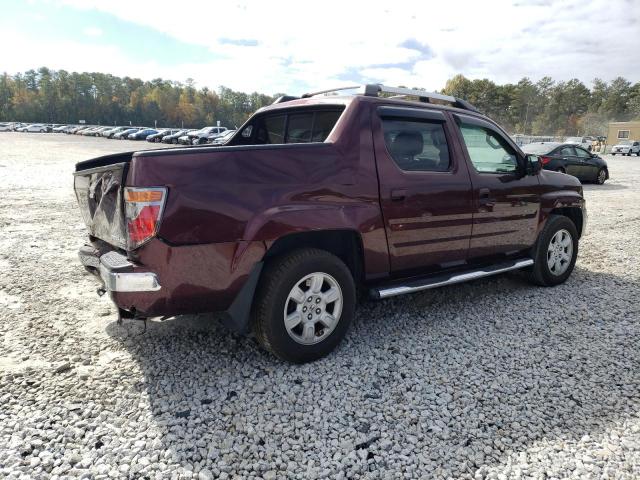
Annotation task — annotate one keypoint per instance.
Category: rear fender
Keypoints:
(363, 218)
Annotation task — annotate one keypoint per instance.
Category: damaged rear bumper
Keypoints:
(115, 271)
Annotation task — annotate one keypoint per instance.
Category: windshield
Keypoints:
(538, 148)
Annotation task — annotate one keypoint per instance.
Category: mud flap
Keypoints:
(237, 317)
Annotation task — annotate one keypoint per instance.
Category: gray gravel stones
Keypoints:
(494, 379)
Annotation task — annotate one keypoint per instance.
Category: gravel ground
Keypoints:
(492, 379)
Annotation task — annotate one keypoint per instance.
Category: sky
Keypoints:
(296, 46)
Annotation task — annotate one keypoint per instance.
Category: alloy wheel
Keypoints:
(560, 252)
(313, 307)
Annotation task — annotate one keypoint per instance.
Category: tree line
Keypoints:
(58, 96)
(545, 107)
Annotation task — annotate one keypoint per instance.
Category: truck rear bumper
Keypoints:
(165, 280)
(113, 268)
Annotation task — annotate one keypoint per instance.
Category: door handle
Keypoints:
(398, 195)
(484, 197)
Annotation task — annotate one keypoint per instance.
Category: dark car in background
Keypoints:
(571, 159)
(124, 134)
(157, 137)
(223, 138)
(142, 134)
(174, 137)
(207, 134)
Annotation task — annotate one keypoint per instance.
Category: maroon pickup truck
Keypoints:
(317, 200)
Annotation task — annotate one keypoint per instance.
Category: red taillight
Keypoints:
(143, 209)
(545, 160)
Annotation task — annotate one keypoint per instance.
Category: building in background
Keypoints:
(623, 131)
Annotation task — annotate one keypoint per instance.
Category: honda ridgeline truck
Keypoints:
(318, 199)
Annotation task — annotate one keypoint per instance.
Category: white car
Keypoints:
(584, 142)
(34, 127)
(626, 147)
(5, 127)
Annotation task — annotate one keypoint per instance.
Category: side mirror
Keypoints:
(533, 164)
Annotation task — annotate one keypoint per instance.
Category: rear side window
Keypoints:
(416, 146)
(299, 126)
(566, 152)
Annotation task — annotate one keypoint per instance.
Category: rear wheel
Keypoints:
(555, 252)
(602, 176)
(304, 305)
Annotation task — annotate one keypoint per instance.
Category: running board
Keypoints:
(434, 281)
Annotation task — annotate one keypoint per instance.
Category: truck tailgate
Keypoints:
(99, 194)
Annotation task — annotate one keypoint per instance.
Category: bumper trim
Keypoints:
(110, 266)
(129, 282)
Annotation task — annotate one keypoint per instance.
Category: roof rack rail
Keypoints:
(374, 90)
(330, 90)
(284, 98)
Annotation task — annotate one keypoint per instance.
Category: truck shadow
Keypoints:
(464, 377)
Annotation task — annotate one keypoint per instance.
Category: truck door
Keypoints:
(425, 191)
(506, 201)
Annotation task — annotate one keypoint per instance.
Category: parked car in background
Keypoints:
(5, 127)
(207, 134)
(83, 129)
(317, 199)
(142, 134)
(124, 134)
(571, 159)
(173, 138)
(188, 137)
(223, 138)
(63, 128)
(157, 137)
(584, 142)
(95, 132)
(113, 130)
(34, 127)
(626, 147)
(75, 129)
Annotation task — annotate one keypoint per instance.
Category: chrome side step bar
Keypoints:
(441, 280)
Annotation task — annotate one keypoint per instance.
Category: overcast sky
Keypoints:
(297, 46)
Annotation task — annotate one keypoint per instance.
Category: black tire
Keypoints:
(279, 277)
(174, 141)
(602, 176)
(561, 170)
(540, 273)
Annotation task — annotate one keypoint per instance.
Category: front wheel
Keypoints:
(304, 305)
(555, 252)
(602, 176)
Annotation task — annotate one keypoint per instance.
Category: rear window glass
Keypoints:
(299, 126)
(273, 130)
